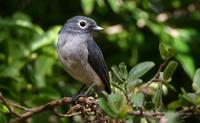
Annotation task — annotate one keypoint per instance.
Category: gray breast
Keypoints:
(73, 53)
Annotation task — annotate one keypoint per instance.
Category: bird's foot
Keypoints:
(76, 97)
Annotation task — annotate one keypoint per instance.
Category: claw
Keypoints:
(76, 97)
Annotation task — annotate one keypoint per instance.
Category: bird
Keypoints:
(81, 56)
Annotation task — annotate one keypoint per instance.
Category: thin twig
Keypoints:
(51, 107)
(65, 115)
(126, 93)
(149, 114)
(156, 76)
(189, 111)
(47, 107)
(7, 105)
(74, 108)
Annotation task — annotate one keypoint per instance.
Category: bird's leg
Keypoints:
(82, 87)
(76, 97)
(91, 86)
(78, 94)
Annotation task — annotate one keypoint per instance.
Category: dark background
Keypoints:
(30, 72)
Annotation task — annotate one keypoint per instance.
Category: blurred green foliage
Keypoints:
(31, 74)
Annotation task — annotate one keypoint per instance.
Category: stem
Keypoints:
(126, 93)
(156, 76)
(7, 105)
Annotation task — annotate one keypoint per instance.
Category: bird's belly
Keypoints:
(75, 60)
(83, 72)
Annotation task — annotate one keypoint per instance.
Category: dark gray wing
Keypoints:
(96, 60)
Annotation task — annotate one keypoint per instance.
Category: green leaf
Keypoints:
(186, 98)
(197, 100)
(138, 99)
(196, 81)
(174, 105)
(13, 70)
(139, 70)
(162, 50)
(116, 72)
(118, 86)
(21, 16)
(166, 52)
(169, 70)
(123, 71)
(115, 101)
(170, 117)
(45, 94)
(118, 105)
(43, 67)
(45, 39)
(169, 86)
(114, 5)
(3, 109)
(193, 97)
(3, 118)
(157, 98)
(135, 83)
(187, 63)
(88, 6)
(103, 104)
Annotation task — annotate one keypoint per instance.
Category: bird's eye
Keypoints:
(82, 24)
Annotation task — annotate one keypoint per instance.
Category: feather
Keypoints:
(96, 60)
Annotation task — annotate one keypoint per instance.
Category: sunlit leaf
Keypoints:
(187, 63)
(101, 3)
(47, 38)
(43, 67)
(114, 5)
(3, 108)
(88, 6)
(183, 49)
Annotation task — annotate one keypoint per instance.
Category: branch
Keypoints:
(148, 114)
(3, 101)
(157, 75)
(51, 106)
(85, 106)
(47, 107)
(187, 112)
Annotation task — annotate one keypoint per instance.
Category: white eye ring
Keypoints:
(82, 24)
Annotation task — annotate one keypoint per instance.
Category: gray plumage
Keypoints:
(81, 56)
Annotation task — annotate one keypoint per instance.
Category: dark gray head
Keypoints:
(80, 24)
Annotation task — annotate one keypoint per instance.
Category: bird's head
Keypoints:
(80, 24)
